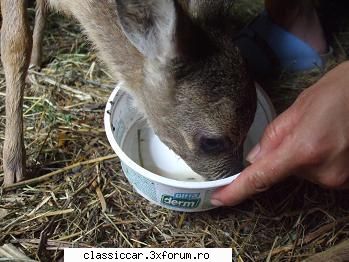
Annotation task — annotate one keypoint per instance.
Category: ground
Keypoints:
(85, 200)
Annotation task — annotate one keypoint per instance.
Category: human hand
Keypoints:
(310, 139)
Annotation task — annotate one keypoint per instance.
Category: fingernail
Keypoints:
(252, 156)
(216, 203)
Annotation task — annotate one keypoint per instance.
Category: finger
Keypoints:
(344, 186)
(332, 185)
(258, 177)
(274, 134)
(331, 176)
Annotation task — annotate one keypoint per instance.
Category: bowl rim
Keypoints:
(150, 175)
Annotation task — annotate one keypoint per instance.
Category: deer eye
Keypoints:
(212, 144)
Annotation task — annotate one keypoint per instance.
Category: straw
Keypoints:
(77, 195)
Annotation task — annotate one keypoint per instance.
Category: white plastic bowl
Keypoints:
(156, 172)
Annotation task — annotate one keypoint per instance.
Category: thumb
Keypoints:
(274, 134)
(265, 172)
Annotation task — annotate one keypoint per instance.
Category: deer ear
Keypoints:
(149, 25)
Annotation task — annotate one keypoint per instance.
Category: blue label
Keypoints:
(182, 200)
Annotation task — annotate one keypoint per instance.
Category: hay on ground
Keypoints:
(85, 201)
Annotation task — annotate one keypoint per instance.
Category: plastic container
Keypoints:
(156, 172)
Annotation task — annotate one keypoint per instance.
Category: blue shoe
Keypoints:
(269, 48)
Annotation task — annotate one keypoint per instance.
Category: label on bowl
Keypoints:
(187, 200)
(181, 200)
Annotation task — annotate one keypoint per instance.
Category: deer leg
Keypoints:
(16, 42)
(39, 27)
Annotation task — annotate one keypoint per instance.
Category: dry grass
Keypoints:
(87, 202)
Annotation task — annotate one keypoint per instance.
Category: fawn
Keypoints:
(176, 58)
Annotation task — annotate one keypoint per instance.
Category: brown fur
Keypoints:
(38, 34)
(15, 54)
